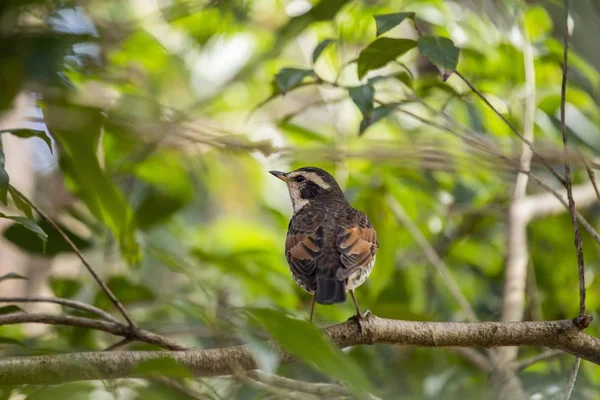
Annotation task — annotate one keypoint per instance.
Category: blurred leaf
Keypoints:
(377, 114)
(289, 78)
(386, 22)
(23, 238)
(125, 290)
(78, 129)
(30, 225)
(162, 367)
(305, 341)
(11, 275)
(71, 391)
(5, 340)
(441, 52)
(4, 180)
(169, 188)
(11, 309)
(538, 23)
(65, 287)
(300, 134)
(28, 133)
(380, 52)
(362, 96)
(320, 48)
(20, 203)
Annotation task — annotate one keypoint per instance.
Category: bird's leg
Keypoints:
(358, 317)
(312, 307)
(355, 302)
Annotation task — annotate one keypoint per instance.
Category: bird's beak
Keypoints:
(280, 175)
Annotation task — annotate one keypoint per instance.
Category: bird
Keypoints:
(330, 246)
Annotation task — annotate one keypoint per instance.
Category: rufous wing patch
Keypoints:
(303, 249)
(357, 246)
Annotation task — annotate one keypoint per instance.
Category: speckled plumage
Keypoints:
(330, 246)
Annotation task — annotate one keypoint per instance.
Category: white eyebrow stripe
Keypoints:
(311, 176)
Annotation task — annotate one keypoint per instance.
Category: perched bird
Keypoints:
(330, 246)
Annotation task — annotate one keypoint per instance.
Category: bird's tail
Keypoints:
(330, 291)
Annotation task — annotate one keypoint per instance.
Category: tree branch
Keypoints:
(74, 304)
(87, 265)
(117, 329)
(565, 335)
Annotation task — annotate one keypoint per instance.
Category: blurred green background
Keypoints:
(162, 142)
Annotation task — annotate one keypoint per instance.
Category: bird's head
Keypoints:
(308, 185)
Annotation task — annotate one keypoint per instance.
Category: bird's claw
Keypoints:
(359, 318)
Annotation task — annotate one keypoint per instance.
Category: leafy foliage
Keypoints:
(166, 190)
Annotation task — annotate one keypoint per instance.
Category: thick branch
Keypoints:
(564, 335)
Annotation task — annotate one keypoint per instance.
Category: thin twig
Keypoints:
(517, 251)
(119, 344)
(568, 185)
(77, 305)
(320, 389)
(543, 356)
(281, 393)
(433, 258)
(572, 379)
(117, 329)
(512, 128)
(568, 182)
(76, 250)
(173, 384)
(591, 175)
(589, 228)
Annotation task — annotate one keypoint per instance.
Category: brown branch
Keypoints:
(517, 252)
(565, 335)
(74, 304)
(512, 128)
(76, 250)
(569, 187)
(117, 329)
(589, 228)
(591, 175)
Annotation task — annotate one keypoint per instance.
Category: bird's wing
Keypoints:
(357, 244)
(302, 249)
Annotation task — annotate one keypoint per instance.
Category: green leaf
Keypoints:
(125, 290)
(538, 23)
(386, 22)
(320, 48)
(362, 96)
(305, 341)
(20, 203)
(4, 180)
(25, 239)
(32, 226)
(11, 309)
(65, 287)
(5, 340)
(377, 114)
(78, 129)
(380, 52)
(441, 52)
(166, 366)
(28, 133)
(289, 78)
(11, 275)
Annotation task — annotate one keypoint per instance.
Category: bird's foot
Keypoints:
(359, 318)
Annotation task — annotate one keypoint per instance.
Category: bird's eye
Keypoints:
(300, 178)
